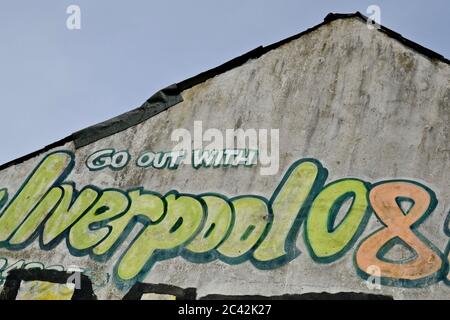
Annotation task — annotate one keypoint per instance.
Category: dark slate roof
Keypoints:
(170, 96)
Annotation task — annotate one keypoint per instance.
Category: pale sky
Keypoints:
(55, 81)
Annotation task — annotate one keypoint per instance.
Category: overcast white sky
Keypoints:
(55, 81)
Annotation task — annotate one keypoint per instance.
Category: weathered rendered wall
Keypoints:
(357, 101)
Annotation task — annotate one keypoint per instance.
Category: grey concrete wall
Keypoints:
(359, 102)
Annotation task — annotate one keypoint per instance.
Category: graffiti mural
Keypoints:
(95, 222)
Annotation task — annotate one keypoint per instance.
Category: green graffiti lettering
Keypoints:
(36, 186)
(67, 212)
(288, 200)
(37, 216)
(252, 217)
(92, 227)
(219, 221)
(326, 240)
(146, 208)
(183, 220)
